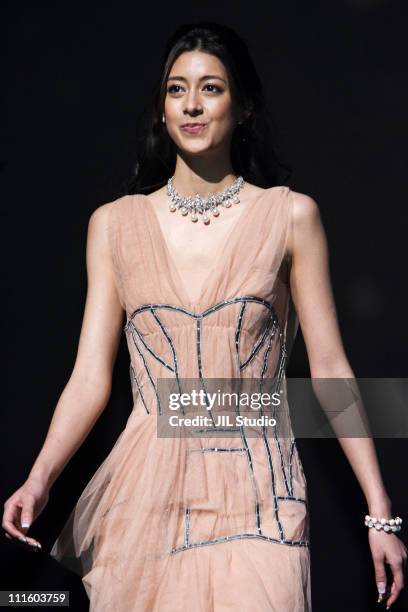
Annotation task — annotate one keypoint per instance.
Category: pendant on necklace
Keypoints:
(196, 205)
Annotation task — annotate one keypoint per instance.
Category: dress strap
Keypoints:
(118, 220)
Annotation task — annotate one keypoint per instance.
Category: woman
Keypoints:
(160, 526)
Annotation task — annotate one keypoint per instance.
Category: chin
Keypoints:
(197, 150)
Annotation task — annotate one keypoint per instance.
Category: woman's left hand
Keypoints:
(387, 548)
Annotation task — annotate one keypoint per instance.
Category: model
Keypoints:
(201, 274)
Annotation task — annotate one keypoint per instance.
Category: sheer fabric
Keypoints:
(208, 523)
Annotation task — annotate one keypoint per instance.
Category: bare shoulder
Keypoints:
(305, 220)
(305, 208)
(100, 216)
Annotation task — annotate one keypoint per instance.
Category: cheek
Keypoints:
(221, 109)
(170, 109)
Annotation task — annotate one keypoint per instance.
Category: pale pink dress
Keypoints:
(161, 528)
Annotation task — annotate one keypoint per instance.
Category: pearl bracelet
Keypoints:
(389, 525)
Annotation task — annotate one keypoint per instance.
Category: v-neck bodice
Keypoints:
(215, 250)
(247, 259)
(240, 291)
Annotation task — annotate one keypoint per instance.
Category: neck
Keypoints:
(189, 180)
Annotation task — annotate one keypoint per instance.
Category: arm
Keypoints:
(313, 298)
(88, 389)
(89, 386)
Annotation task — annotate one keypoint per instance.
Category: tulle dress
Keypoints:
(216, 521)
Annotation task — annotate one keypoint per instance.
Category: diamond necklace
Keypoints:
(198, 205)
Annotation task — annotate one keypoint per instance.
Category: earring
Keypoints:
(163, 119)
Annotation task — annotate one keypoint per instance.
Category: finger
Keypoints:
(392, 596)
(26, 545)
(33, 541)
(380, 577)
(397, 584)
(27, 511)
(23, 539)
(9, 520)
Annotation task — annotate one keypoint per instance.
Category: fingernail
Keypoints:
(22, 538)
(25, 524)
(381, 586)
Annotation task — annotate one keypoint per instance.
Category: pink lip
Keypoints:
(193, 128)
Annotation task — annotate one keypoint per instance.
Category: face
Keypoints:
(198, 91)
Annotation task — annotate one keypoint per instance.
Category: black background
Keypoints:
(78, 77)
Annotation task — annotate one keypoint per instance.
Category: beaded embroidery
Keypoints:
(271, 329)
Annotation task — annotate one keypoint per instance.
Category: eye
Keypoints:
(219, 90)
(171, 88)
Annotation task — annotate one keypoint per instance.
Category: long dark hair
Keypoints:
(254, 142)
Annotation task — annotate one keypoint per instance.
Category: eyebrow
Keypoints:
(203, 78)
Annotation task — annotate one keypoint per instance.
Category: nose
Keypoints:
(192, 105)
